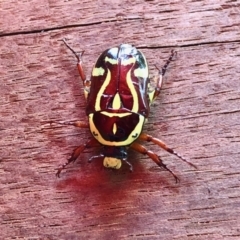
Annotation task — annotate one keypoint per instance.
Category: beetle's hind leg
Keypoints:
(77, 151)
(73, 157)
(149, 138)
(139, 148)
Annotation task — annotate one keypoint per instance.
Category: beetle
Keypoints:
(118, 98)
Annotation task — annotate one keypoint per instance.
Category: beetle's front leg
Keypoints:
(79, 60)
(86, 83)
(161, 73)
(139, 148)
(77, 151)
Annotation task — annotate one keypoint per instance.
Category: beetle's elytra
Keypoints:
(118, 97)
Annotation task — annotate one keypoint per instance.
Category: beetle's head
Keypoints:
(113, 156)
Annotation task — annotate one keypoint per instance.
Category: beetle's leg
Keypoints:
(161, 73)
(79, 61)
(149, 138)
(95, 157)
(90, 143)
(80, 124)
(86, 83)
(170, 59)
(139, 148)
(129, 164)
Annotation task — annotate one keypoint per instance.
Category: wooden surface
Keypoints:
(197, 113)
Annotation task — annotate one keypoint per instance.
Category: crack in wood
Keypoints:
(67, 27)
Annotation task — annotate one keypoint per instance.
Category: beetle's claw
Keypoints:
(59, 171)
(78, 56)
(162, 165)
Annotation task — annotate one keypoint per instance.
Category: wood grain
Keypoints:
(197, 113)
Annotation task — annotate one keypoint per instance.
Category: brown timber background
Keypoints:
(197, 113)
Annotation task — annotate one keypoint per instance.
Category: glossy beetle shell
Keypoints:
(118, 98)
(118, 103)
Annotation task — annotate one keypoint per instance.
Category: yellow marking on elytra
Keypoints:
(116, 102)
(114, 128)
(110, 162)
(115, 114)
(101, 91)
(136, 132)
(141, 72)
(133, 91)
(98, 71)
(111, 60)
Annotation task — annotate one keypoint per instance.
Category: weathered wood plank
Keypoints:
(197, 113)
(166, 23)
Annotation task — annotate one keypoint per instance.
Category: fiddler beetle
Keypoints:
(118, 95)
